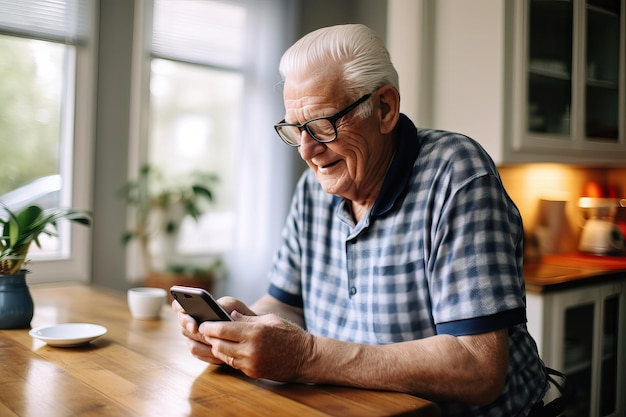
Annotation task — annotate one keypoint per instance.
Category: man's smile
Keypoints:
(330, 165)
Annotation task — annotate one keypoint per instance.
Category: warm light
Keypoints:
(591, 202)
(548, 182)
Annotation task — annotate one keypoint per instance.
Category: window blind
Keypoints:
(65, 21)
(201, 32)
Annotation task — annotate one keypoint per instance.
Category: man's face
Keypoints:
(350, 165)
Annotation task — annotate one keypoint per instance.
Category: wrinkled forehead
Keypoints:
(309, 99)
(324, 83)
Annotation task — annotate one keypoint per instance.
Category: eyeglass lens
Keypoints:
(321, 130)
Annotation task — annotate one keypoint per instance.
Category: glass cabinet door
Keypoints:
(550, 66)
(578, 358)
(603, 45)
(574, 68)
(591, 356)
(609, 363)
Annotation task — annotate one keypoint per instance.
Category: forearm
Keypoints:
(440, 367)
(468, 369)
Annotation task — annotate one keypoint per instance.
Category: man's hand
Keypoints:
(266, 346)
(260, 346)
(196, 341)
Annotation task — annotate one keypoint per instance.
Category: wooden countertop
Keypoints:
(143, 368)
(563, 271)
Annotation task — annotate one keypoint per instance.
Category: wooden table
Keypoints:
(143, 368)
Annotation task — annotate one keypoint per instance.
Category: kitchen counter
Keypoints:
(575, 310)
(564, 271)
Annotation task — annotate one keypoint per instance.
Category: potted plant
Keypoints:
(159, 206)
(19, 230)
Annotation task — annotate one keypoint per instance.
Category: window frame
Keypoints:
(79, 119)
(140, 123)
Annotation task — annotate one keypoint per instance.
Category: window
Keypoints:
(195, 114)
(197, 81)
(45, 49)
(212, 99)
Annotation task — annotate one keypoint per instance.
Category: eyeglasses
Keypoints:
(322, 129)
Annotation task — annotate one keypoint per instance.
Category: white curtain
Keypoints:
(268, 169)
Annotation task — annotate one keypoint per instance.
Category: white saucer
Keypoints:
(68, 334)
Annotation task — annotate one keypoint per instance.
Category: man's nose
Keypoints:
(309, 147)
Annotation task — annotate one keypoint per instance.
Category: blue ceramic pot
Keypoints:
(16, 303)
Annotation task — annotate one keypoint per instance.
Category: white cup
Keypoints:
(146, 302)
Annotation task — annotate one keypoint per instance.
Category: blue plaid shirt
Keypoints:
(439, 252)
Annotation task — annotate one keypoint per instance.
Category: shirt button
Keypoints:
(352, 290)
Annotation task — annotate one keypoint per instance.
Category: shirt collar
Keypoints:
(399, 173)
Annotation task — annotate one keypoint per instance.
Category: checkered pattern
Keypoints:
(440, 252)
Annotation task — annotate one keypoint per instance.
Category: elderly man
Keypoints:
(401, 262)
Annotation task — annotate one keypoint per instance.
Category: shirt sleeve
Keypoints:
(475, 274)
(285, 275)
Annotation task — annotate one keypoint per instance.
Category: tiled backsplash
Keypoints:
(529, 184)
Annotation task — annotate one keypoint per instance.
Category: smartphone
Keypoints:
(199, 304)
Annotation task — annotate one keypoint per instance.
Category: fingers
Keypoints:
(215, 351)
(230, 304)
(189, 327)
(231, 361)
(187, 323)
(203, 352)
(223, 340)
(221, 330)
(264, 346)
(216, 342)
(233, 331)
(176, 306)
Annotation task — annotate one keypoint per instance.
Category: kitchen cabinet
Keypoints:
(531, 80)
(569, 78)
(581, 331)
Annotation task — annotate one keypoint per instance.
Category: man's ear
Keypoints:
(389, 108)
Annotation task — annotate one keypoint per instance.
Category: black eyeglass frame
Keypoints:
(332, 119)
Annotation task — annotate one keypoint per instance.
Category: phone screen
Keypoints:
(199, 304)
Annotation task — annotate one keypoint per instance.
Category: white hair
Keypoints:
(354, 50)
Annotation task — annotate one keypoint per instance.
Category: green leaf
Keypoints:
(21, 229)
(201, 191)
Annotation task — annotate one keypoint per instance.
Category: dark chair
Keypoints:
(554, 402)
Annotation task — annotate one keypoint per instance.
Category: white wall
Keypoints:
(408, 25)
(469, 68)
(450, 56)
